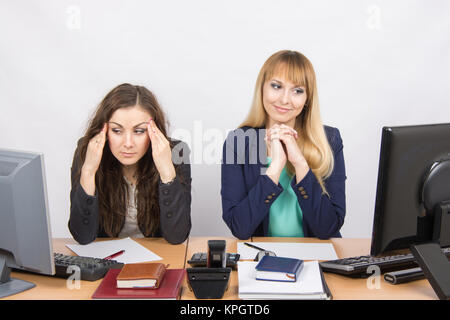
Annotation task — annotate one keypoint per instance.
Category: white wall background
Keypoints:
(378, 63)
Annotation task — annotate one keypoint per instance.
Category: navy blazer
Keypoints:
(247, 193)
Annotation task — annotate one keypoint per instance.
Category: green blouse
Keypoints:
(286, 217)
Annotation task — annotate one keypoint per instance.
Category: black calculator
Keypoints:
(198, 259)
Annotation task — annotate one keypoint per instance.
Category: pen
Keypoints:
(254, 247)
(114, 255)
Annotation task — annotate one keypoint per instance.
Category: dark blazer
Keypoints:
(174, 203)
(247, 193)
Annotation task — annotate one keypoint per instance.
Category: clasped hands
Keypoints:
(282, 146)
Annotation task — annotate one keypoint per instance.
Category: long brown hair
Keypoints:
(109, 181)
(312, 141)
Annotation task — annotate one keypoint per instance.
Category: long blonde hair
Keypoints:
(312, 141)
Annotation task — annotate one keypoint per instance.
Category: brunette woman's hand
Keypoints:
(161, 153)
(94, 153)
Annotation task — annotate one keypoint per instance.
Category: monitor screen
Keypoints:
(25, 233)
(407, 156)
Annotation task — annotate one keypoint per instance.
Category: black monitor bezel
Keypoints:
(385, 161)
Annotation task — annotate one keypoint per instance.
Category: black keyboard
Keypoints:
(89, 269)
(199, 259)
(357, 266)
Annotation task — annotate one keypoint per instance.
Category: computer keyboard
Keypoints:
(90, 269)
(358, 266)
(199, 259)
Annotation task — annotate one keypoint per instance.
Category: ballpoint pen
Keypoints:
(254, 247)
(114, 255)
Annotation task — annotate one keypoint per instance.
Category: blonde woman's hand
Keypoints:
(161, 153)
(288, 136)
(276, 152)
(94, 153)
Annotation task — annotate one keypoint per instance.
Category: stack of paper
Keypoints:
(133, 251)
(308, 286)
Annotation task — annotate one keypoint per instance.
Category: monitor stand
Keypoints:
(435, 266)
(8, 285)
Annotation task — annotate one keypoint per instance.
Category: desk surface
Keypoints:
(56, 289)
(177, 256)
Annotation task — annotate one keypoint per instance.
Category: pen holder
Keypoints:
(208, 283)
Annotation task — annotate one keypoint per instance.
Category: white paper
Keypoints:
(309, 284)
(302, 251)
(134, 252)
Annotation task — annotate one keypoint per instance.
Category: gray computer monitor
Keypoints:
(25, 233)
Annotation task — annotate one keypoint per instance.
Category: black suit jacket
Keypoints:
(174, 203)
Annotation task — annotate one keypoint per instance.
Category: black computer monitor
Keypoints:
(413, 188)
(25, 233)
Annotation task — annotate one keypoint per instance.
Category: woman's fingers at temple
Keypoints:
(94, 151)
(151, 131)
(103, 134)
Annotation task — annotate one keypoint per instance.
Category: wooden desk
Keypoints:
(342, 288)
(56, 288)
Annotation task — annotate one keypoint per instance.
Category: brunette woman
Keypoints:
(128, 178)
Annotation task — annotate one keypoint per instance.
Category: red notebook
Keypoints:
(169, 288)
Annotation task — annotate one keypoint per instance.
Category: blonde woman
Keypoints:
(283, 171)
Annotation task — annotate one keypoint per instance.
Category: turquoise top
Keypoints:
(286, 217)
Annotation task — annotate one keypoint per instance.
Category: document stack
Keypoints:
(309, 285)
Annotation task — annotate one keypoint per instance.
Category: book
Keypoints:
(311, 285)
(141, 275)
(169, 288)
(278, 269)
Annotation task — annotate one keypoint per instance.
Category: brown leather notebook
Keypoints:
(141, 275)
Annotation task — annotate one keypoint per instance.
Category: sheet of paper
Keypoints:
(302, 251)
(309, 283)
(134, 252)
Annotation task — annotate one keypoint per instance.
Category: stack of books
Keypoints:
(141, 281)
